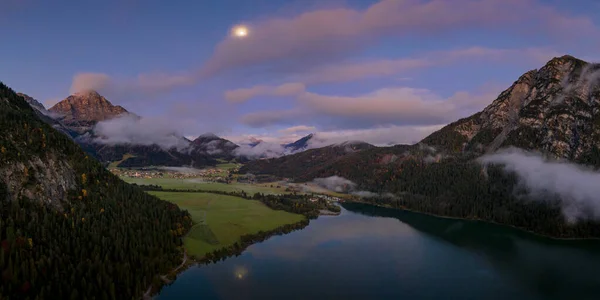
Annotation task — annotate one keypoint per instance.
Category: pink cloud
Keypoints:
(352, 71)
(391, 106)
(297, 129)
(329, 32)
(284, 90)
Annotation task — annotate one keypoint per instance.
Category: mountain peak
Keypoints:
(551, 110)
(88, 106)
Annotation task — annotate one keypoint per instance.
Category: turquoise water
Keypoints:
(375, 253)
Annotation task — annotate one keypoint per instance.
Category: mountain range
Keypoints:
(79, 115)
(553, 111)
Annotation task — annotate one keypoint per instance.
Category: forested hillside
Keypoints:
(553, 110)
(304, 163)
(69, 228)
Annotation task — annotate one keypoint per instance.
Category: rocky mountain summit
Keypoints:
(83, 110)
(555, 110)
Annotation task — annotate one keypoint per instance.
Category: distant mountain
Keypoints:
(299, 145)
(554, 110)
(63, 213)
(214, 146)
(254, 142)
(81, 112)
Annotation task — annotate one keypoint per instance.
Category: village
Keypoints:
(212, 174)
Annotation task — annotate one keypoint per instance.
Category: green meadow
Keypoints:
(220, 220)
(197, 184)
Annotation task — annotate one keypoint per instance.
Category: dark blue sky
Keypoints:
(389, 70)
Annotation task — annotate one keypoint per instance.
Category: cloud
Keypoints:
(380, 136)
(260, 150)
(296, 129)
(352, 71)
(343, 185)
(384, 107)
(89, 81)
(144, 84)
(335, 183)
(284, 90)
(139, 131)
(321, 35)
(575, 185)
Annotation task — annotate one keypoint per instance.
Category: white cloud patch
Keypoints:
(139, 131)
(260, 150)
(343, 185)
(576, 185)
(335, 183)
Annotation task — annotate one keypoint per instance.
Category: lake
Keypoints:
(376, 253)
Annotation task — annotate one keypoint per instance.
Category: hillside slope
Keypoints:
(553, 110)
(303, 164)
(69, 228)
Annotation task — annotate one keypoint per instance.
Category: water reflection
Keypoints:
(556, 269)
(240, 272)
(374, 253)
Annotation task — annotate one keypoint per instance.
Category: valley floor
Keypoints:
(220, 220)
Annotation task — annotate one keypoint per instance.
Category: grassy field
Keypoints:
(221, 219)
(227, 166)
(195, 184)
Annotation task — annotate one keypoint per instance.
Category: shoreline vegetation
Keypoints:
(220, 254)
(470, 219)
(293, 203)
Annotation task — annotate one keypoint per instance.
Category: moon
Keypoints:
(240, 31)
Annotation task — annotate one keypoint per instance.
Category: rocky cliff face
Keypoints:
(554, 110)
(34, 103)
(31, 166)
(82, 111)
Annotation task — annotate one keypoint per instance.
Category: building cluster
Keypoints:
(213, 174)
(329, 198)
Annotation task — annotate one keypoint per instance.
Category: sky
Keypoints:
(386, 72)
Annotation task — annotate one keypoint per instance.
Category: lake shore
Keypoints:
(477, 220)
(222, 253)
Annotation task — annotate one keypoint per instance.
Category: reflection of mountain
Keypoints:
(556, 269)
